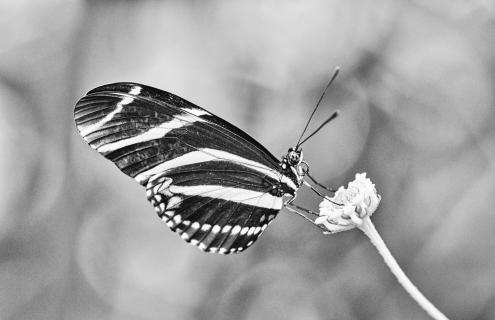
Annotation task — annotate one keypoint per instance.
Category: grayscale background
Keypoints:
(78, 240)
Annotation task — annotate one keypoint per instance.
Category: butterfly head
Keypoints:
(294, 157)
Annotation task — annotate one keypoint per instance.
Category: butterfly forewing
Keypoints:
(208, 180)
(138, 127)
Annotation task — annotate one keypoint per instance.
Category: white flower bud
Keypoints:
(349, 206)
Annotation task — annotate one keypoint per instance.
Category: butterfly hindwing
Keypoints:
(215, 218)
(208, 180)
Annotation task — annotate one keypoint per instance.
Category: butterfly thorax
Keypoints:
(293, 167)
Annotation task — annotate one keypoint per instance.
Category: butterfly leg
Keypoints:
(319, 184)
(297, 210)
(319, 193)
(289, 203)
(313, 189)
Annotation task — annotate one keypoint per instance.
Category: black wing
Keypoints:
(207, 179)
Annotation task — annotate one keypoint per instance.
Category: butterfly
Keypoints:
(209, 181)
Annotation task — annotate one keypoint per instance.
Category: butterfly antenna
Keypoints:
(336, 72)
(333, 116)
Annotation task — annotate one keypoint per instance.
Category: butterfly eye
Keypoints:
(303, 168)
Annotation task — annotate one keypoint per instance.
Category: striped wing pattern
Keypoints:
(208, 180)
(216, 218)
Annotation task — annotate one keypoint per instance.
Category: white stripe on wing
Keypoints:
(248, 197)
(196, 111)
(158, 132)
(207, 154)
(118, 108)
(135, 90)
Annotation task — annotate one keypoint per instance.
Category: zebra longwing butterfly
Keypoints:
(209, 181)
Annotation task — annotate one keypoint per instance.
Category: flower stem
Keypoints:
(369, 230)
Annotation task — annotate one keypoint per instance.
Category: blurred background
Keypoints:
(78, 239)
